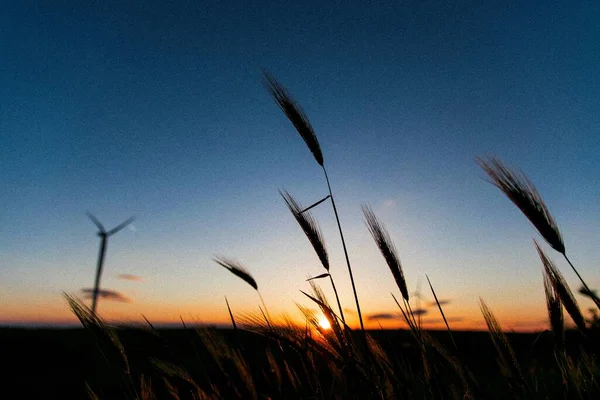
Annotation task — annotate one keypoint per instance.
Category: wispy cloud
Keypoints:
(350, 311)
(130, 277)
(383, 316)
(107, 295)
(394, 315)
(442, 303)
(388, 204)
(440, 320)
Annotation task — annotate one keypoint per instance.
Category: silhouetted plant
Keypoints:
(238, 270)
(300, 121)
(312, 231)
(521, 191)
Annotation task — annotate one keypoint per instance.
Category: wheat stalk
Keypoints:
(309, 226)
(555, 312)
(311, 229)
(387, 248)
(523, 193)
(300, 121)
(295, 114)
(507, 356)
(561, 288)
(238, 270)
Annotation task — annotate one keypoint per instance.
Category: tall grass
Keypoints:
(523, 193)
(312, 231)
(300, 121)
(285, 358)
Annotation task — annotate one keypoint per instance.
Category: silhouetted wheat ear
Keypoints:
(503, 347)
(387, 248)
(561, 288)
(236, 268)
(320, 299)
(309, 225)
(587, 292)
(555, 312)
(521, 191)
(295, 114)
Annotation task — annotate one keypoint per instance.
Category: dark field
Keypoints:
(57, 363)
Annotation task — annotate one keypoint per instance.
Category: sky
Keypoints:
(157, 110)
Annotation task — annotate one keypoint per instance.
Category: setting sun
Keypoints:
(324, 323)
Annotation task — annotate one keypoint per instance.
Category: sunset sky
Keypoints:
(158, 110)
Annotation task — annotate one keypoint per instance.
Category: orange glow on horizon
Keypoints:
(58, 313)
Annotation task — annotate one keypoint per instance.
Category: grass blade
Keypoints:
(441, 310)
(231, 315)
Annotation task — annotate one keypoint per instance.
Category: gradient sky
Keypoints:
(157, 110)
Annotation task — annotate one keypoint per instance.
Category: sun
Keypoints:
(324, 323)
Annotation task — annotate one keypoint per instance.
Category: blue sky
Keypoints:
(157, 110)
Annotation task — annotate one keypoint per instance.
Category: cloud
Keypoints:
(107, 295)
(440, 320)
(130, 277)
(389, 203)
(349, 311)
(442, 303)
(383, 316)
(394, 315)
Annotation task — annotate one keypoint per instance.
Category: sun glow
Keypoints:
(324, 323)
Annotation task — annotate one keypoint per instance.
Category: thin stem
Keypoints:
(337, 299)
(594, 298)
(441, 311)
(337, 218)
(267, 316)
(412, 315)
(404, 313)
(419, 301)
(362, 325)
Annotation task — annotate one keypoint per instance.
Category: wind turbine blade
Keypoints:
(119, 227)
(95, 221)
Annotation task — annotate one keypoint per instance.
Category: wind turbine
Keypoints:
(104, 234)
